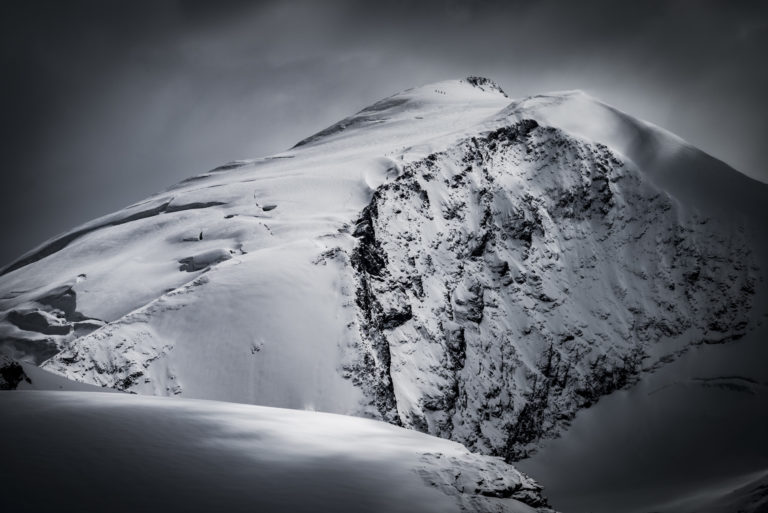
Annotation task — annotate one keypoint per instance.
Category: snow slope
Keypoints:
(447, 259)
(93, 452)
(679, 441)
(689, 437)
(272, 318)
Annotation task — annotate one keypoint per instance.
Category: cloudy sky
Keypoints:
(106, 102)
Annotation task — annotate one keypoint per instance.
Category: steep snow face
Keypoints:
(446, 259)
(200, 455)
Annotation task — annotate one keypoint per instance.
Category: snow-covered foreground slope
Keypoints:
(94, 452)
(447, 259)
(689, 438)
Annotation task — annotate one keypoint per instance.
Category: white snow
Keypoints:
(590, 240)
(686, 173)
(195, 336)
(94, 452)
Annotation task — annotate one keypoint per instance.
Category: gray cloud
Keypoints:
(107, 102)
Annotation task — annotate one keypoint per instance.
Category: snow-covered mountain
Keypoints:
(448, 259)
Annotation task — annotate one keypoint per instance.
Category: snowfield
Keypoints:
(448, 260)
(95, 452)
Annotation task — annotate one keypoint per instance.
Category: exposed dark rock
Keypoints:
(373, 373)
(485, 84)
(368, 255)
(395, 317)
(11, 374)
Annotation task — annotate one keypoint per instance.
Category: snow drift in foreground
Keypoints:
(95, 452)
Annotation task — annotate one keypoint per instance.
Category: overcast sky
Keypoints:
(105, 103)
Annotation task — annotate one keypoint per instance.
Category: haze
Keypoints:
(105, 103)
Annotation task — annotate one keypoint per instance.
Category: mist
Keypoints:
(107, 103)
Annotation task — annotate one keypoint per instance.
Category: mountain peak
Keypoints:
(471, 88)
(446, 259)
(472, 99)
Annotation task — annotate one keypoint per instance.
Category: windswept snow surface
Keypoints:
(95, 452)
(685, 439)
(447, 259)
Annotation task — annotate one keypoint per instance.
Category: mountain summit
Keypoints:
(447, 259)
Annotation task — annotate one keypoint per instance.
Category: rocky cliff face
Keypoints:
(516, 277)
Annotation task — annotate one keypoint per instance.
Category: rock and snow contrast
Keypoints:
(448, 260)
